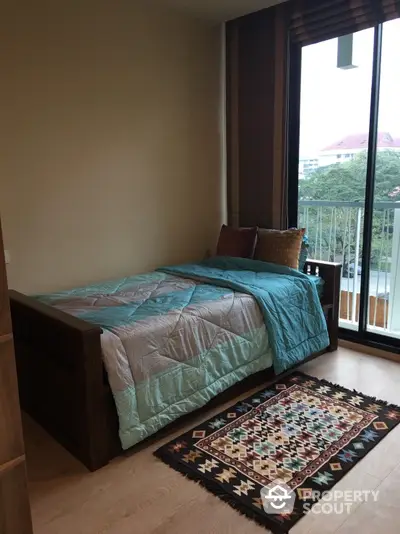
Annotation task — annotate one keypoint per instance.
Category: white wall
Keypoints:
(110, 120)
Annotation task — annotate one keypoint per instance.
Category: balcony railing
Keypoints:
(335, 232)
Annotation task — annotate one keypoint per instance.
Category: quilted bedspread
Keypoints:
(170, 344)
(175, 338)
(288, 300)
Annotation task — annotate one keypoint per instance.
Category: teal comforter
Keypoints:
(288, 300)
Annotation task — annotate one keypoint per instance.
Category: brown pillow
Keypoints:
(237, 242)
(279, 246)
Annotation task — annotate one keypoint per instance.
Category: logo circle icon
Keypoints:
(277, 498)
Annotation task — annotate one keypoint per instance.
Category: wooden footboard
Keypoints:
(61, 379)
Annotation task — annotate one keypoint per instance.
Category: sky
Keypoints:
(336, 102)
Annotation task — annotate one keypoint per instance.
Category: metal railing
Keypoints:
(334, 230)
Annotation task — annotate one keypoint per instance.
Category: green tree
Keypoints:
(346, 182)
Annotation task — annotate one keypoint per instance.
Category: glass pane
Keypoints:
(334, 123)
(384, 287)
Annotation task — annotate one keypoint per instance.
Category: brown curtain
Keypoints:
(256, 118)
(317, 20)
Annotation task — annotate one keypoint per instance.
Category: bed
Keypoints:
(105, 366)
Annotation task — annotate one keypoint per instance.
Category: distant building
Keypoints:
(344, 150)
(307, 165)
(351, 145)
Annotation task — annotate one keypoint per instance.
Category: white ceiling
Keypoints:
(218, 10)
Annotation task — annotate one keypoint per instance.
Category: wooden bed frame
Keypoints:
(63, 384)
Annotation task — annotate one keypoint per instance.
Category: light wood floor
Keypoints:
(139, 494)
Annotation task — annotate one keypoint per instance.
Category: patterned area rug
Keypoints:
(296, 439)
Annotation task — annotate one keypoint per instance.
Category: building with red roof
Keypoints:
(353, 144)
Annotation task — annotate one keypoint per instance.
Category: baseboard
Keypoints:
(372, 351)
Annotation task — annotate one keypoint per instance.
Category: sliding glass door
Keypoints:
(348, 172)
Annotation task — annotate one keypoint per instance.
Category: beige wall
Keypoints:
(110, 140)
